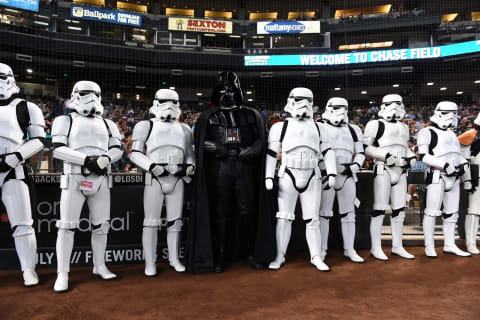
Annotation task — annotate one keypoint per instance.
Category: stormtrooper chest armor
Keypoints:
(301, 144)
(394, 138)
(341, 142)
(166, 143)
(89, 135)
(447, 146)
(11, 135)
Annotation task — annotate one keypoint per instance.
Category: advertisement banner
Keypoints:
(364, 56)
(103, 15)
(31, 5)
(199, 25)
(282, 27)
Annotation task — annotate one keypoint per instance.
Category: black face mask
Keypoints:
(226, 99)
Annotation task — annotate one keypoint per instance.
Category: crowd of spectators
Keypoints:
(393, 14)
(128, 114)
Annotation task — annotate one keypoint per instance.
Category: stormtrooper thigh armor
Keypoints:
(471, 222)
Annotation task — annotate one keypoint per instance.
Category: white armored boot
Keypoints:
(283, 233)
(471, 229)
(149, 240)
(64, 251)
(99, 246)
(348, 234)
(449, 245)
(428, 233)
(314, 241)
(173, 243)
(26, 246)
(376, 224)
(324, 230)
(397, 235)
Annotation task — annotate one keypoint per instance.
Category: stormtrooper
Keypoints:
(87, 143)
(301, 142)
(470, 144)
(349, 157)
(440, 151)
(21, 135)
(163, 147)
(386, 141)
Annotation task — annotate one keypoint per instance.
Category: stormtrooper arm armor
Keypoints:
(371, 130)
(274, 147)
(358, 148)
(139, 137)
(114, 143)
(60, 129)
(430, 160)
(328, 154)
(189, 151)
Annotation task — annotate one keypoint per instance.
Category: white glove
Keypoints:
(157, 170)
(103, 162)
(354, 168)
(12, 160)
(269, 183)
(413, 162)
(390, 160)
(331, 181)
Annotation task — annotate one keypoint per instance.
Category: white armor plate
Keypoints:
(88, 134)
(165, 134)
(302, 133)
(394, 139)
(342, 144)
(448, 147)
(10, 130)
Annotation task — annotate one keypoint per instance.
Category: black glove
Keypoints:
(459, 170)
(92, 165)
(4, 167)
(247, 153)
(218, 150)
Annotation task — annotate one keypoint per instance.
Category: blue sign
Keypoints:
(365, 56)
(103, 15)
(31, 5)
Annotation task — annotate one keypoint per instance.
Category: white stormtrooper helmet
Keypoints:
(445, 115)
(8, 87)
(165, 105)
(336, 111)
(86, 99)
(392, 107)
(300, 103)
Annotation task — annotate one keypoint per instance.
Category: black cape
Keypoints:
(199, 251)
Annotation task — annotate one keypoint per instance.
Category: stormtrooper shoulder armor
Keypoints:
(275, 132)
(371, 131)
(115, 137)
(60, 129)
(140, 134)
(37, 122)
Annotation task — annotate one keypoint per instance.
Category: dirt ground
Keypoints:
(443, 288)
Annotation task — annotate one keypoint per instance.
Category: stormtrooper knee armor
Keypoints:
(349, 157)
(19, 119)
(470, 145)
(87, 143)
(440, 151)
(301, 142)
(386, 141)
(163, 147)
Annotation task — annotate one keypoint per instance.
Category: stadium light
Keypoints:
(396, 85)
(234, 36)
(171, 88)
(118, 95)
(29, 70)
(459, 92)
(477, 81)
(443, 88)
(250, 100)
(209, 35)
(249, 92)
(363, 92)
(41, 23)
(199, 94)
(430, 83)
(74, 28)
(137, 97)
(337, 89)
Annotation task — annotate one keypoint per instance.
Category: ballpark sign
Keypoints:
(101, 15)
(281, 27)
(199, 25)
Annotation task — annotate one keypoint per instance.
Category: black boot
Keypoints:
(253, 264)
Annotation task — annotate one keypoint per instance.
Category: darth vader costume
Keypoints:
(228, 221)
